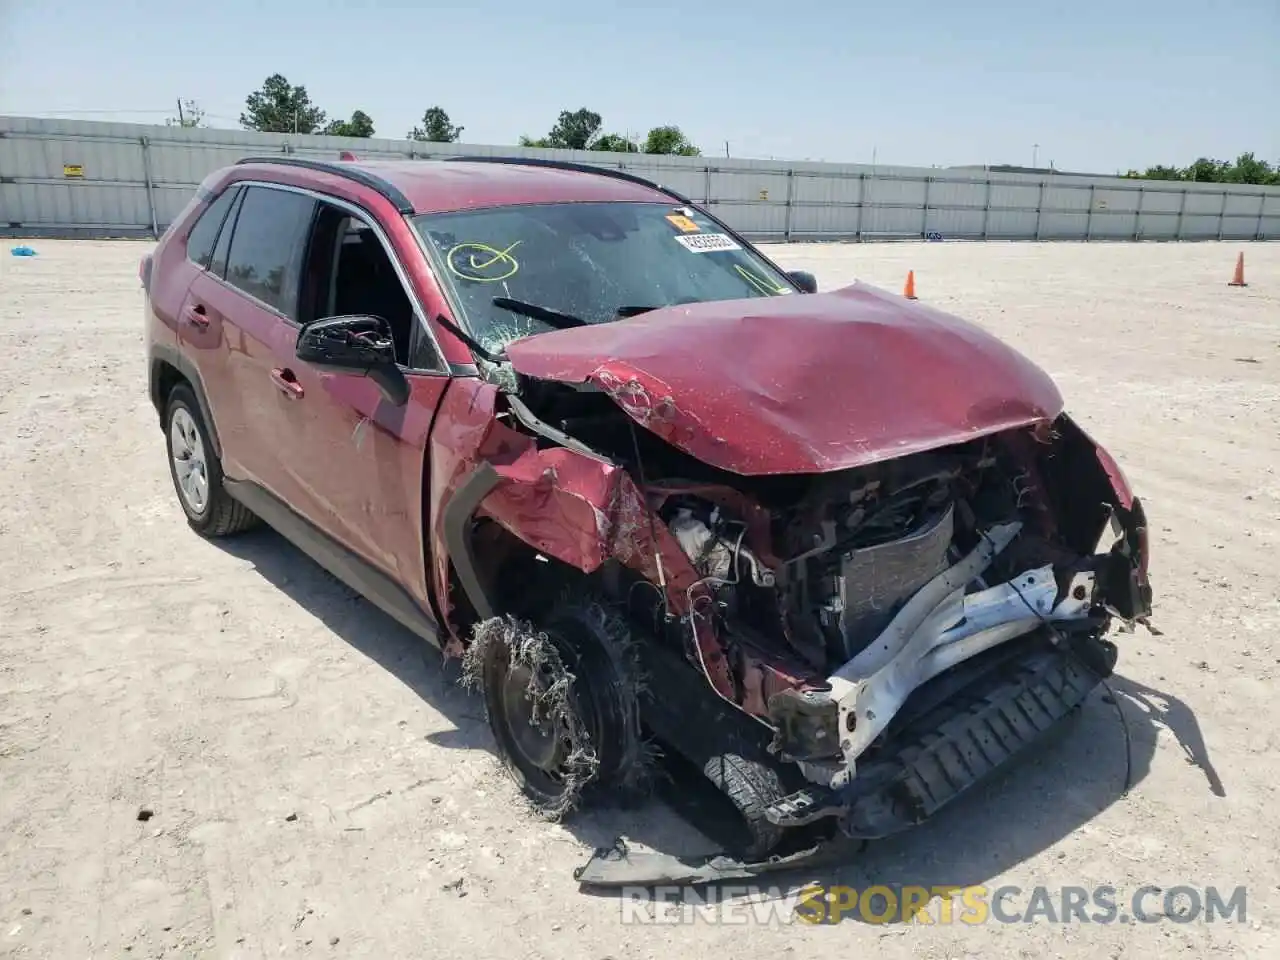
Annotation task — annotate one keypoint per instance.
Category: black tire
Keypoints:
(751, 787)
(220, 514)
(600, 714)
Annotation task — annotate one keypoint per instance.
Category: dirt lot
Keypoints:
(318, 791)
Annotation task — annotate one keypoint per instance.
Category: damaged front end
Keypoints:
(880, 617)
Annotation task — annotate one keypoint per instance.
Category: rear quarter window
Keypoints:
(218, 265)
(204, 234)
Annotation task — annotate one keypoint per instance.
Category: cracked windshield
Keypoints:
(585, 263)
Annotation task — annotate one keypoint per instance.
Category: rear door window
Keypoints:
(268, 244)
(204, 234)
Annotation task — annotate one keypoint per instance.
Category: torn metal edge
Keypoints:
(619, 866)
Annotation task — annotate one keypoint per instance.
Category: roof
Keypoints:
(437, 186)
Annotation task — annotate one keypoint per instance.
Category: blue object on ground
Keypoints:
(23, 252)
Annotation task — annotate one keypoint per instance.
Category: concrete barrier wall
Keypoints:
(69, 178)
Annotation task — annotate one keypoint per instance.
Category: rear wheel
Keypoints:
(197, 472)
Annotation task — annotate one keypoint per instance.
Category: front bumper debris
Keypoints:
(1004, 713)
(940, 627)
(1005, 720)
(619, 866)
(991, 723)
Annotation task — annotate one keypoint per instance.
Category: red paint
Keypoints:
(804, 383)
(794, 384)
(581, 511)
(439, 187)
(1119, 483)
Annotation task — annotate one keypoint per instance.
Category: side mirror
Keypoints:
(805, 280)
(361, 345)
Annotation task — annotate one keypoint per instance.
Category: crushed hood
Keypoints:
(806, 383)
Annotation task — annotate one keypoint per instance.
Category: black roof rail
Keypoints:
(579, 168)
(342, 169)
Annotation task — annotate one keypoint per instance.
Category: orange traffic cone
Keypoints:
(909, 291)
(1238, 279)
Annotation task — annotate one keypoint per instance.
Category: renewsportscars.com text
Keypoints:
(816, 904)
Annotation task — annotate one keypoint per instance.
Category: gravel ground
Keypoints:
(316, 790)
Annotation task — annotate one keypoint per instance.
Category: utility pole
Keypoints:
(1035, 153)
(182, 122)
(726, 149)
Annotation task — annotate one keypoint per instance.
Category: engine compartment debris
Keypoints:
(827, 584)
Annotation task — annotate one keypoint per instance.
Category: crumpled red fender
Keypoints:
(581, 511)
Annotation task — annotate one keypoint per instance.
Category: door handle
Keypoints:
(196, 316)
(287, 383)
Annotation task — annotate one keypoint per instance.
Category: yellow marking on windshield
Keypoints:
(760, 283)
(482, 263)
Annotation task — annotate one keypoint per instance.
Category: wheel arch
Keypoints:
(493, 572)
(167, 368)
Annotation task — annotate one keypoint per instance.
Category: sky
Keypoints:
(1095, 85)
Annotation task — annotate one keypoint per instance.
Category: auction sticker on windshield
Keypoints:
(708, 242)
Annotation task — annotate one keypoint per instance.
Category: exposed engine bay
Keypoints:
(967, 536)
(834, 596)
(847, 554)
(841, 555)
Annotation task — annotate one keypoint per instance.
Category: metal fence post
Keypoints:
(786, 225)
(862, 198)
(986, 209)
(1262, 208)
(1137, 214)
(1222, 213)
(1039, 208)
(1182, 209)
(151, 195)
(1088, 221)
(924, 219)
(706, 185)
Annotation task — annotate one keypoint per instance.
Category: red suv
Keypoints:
(842, 551)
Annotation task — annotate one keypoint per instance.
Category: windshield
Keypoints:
(588, 261)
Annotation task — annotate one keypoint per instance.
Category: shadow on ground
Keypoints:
(1087, 764)
(1085, 767)
(423, 670)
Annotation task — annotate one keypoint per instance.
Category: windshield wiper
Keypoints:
(552, 318)
(470, 341)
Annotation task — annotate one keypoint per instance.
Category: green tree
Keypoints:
(1247, 169)
(574, 130)
(280, 107)
(436, 128)
(669, 140)
(1159, 172)
(614, 143)
(360, 125)
(527, 141)
(189, 115)
(1205, 170)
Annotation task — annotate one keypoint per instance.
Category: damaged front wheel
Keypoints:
(561, 705)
